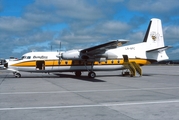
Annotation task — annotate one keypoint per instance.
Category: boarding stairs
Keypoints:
(132, 66)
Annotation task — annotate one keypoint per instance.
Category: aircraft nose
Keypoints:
(4, 62)
(6, 65)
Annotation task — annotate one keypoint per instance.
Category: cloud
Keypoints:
(172, 32)
(115, 1)
(83, 23)
(16, 25)
(92, 35)
(153, 6)
(113, 27)
(175, 51)
(59, 10)
(1, 6)
(136, 37)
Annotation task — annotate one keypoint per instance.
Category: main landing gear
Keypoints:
(91, 74)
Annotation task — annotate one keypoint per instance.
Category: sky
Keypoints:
(45, 25)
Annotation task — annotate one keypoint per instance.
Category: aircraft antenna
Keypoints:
(60, 45)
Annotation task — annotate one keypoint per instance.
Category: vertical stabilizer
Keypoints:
(154, 35)
(154, 40)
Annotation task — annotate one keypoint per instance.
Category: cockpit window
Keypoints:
(23, 57)
(28, 57)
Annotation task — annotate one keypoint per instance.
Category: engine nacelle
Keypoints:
(71, 55)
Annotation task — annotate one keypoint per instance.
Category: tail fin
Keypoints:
(154, 34)
(154, 41)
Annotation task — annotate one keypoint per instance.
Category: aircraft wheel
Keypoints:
(78, 73)
(123, 74)
(131, 75)
(17, 75)
(91, 74)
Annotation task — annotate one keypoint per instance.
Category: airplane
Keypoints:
(104, 57)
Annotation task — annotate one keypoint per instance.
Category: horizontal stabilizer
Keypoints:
(159, 49)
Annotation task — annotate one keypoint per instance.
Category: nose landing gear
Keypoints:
(17, 75)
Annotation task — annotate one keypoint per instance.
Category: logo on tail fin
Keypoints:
(153, 35)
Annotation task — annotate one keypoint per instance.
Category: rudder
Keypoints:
(154, 35)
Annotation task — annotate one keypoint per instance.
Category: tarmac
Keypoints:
(110, 96)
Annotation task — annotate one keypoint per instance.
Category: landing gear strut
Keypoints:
(91, 74)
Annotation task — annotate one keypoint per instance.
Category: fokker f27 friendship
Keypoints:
(104, 57)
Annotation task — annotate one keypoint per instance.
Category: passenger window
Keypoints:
(118, 61)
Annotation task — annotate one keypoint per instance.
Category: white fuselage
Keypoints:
(50, 62)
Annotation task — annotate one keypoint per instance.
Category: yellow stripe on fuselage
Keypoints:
(25, 63)
(78, 63)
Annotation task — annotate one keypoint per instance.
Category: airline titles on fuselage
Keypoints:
(40, 57)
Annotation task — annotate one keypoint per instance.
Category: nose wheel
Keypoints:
(17, 75)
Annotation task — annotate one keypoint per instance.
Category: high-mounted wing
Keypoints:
(103, 47)
(92, 52)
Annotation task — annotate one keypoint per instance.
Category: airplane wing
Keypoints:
(92, 52)
(103, 47)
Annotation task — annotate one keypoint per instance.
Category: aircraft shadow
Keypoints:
(60, 76)
(83, 78)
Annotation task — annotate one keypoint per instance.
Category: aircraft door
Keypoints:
(40, 65)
